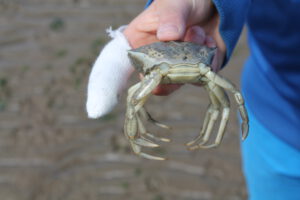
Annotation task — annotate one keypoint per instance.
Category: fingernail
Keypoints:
(167, 30)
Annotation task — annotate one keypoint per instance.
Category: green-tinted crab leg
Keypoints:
(146, 115)
(132, 122)
(143, 131)
(137, 150)
(223, 99)
(210, 116)
(214, 116)
(137, 96)
(222, 82)
(148, 84)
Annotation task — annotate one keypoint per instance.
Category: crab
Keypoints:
(178, 63)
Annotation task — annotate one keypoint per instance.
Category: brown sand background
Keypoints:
(49, 150)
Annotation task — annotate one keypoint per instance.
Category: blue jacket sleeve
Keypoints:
(148, 3)
(232, 18)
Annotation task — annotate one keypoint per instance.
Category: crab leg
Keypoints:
(222, 82)
(149, 82)
(130, 109)
(131, 132)
(212, 88)
(144, 132)
(137, 150)
(130, 125)
(223, 99)
(210, 116)
(132, 121)
(146, 115)
(140, 127)
(137, 96)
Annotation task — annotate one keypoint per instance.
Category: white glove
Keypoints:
(109, 75)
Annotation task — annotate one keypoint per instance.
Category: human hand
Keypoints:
(188, 20)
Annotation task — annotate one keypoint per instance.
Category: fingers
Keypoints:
(149, 21)
(216, 63)
(166, 89)
(173, 17)
(195, 34)
(219, 55)
(216, 40)
(142, 30)
(164, 20)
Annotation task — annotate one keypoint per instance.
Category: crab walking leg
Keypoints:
(130, 109)
(146, 115)
(137, 96)
(213, 117)
(137, 150)
(132, 120)
(213, 109)
(130, 125)
(148, 84)
(144, 142)
(130, 128)
(143, 131)
(132, 134)
(238, 98)
(158, 138)
(223, 99)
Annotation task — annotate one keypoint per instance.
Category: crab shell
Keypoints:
(145, 58)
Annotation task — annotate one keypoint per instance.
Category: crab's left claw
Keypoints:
(109, 75)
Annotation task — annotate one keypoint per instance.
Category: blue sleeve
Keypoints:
(232, 18)
(148, 3)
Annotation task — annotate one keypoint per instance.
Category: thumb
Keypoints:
(172, 20)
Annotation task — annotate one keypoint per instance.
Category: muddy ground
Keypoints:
(49, 150)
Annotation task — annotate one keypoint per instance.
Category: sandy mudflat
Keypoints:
(49, 150)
